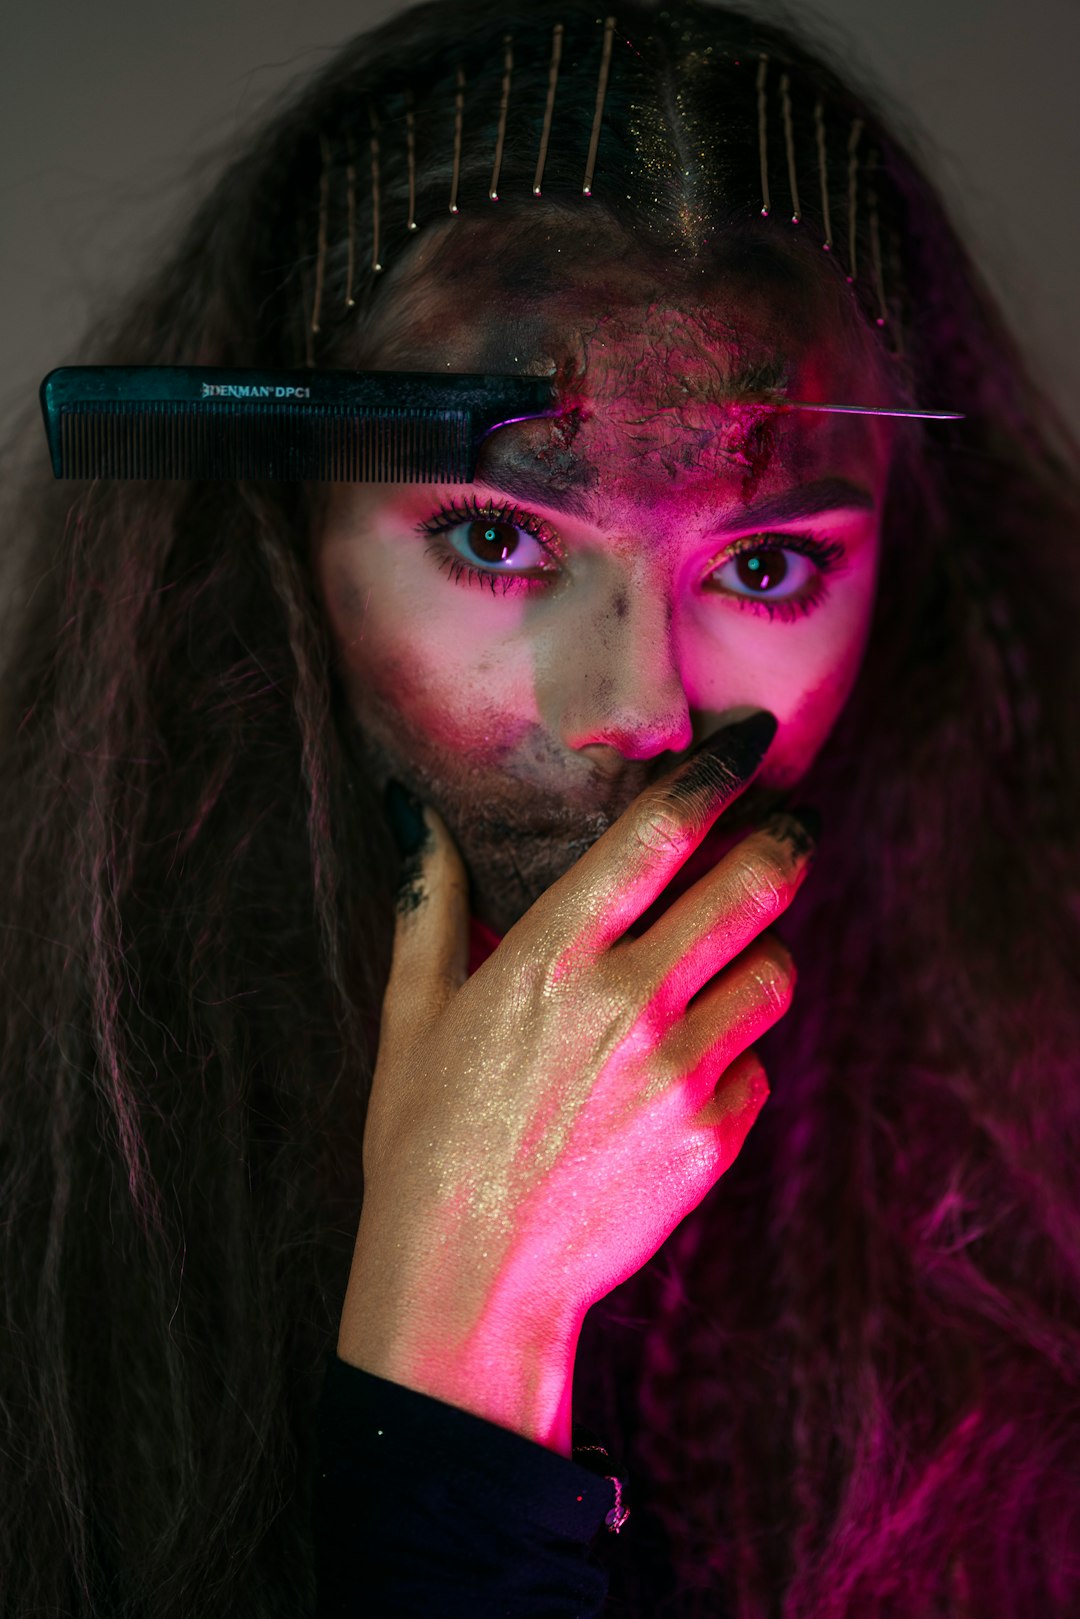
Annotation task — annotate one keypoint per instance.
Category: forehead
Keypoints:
(654, 367)
(468, 286)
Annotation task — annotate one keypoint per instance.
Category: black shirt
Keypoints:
(423, 1509)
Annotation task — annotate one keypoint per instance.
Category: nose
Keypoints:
(621, 680)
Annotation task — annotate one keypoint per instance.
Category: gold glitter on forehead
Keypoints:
(679, 160)
(695, 221)
(657, 156)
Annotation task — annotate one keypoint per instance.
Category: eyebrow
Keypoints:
(808, 500)
(523, 482)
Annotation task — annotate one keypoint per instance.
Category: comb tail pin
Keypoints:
(215, 422)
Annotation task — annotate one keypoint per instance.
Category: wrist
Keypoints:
(431, 1334)
(509, 1380)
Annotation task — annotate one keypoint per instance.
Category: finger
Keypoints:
(621, 875)
(740, 1005)
(431, 930)
(735, 1101)
(723, 911)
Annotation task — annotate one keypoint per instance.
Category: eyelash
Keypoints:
(827, 554)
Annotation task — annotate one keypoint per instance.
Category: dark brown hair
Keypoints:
(847, 1386)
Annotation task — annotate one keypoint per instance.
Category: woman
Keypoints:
(835, 1356)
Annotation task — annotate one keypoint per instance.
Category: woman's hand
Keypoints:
(536, 1132)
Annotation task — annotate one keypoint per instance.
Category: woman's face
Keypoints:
(657, 561)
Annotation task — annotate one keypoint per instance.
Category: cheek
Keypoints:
(803, 671)
(415, 683)
(821, 688)
(814, 715)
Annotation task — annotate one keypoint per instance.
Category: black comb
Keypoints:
(114, 421)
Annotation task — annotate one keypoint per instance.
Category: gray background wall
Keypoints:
(103, 105)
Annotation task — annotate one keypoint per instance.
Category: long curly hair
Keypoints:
(848, 1386)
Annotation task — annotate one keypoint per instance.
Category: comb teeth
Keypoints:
(217, 439)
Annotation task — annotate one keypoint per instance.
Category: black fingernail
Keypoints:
(798, 828)
(406, 818)
(741, 746)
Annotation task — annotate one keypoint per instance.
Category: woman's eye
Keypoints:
(502, 548)
(772, 570)
(781, 575)
(495, 543)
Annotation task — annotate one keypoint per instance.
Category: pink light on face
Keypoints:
(532, 718)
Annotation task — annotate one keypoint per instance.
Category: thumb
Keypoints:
(431, 932)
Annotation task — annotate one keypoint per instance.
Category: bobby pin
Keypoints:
(819, 120)
(350, 174)
(305, 291)
(896, 279)
(763, 135)
(601, 91)
(508, 65)
(553, 74)
(872, 410)
(410, 149)
(875, 241)
(459, 117)
(853, 181)
(375, 265)
(324, 192)
(785, 104)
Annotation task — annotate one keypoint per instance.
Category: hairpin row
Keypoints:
(762, 86)
(854, 138)
(410, 152)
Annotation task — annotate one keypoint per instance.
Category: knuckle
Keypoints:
(773, 970)
(762, 881)
(659, 830)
